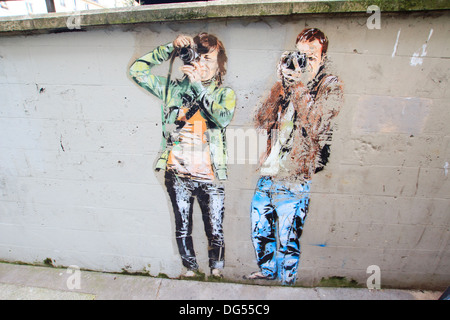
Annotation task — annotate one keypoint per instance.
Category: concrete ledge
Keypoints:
(20, 292)
(56, 22)
(44, 283)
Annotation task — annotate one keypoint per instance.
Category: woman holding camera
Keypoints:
(196, 111)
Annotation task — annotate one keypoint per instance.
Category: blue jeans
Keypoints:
(210, 197)
(278, 212)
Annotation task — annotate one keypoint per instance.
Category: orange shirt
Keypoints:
(191, 156)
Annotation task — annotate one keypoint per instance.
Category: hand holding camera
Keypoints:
(292, 67)
(186, 51)
(183, 41)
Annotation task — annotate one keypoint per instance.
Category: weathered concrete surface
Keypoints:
(19, 282)
(15, 292)
(79, 140)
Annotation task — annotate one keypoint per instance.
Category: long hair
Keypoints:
(207, 43)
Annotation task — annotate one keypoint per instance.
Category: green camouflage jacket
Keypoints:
(216, 106)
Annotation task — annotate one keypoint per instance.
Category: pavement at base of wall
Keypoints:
(25, 282)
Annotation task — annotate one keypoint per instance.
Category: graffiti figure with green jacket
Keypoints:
(195, 111)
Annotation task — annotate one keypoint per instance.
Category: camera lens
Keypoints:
(300, 57)
(289, 63)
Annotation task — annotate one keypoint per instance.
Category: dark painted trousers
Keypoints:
(210, 196)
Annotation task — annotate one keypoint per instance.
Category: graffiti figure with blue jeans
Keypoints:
(298, 118)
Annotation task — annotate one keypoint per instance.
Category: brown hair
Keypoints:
(207, 43)
(311, 34)
(267, 114)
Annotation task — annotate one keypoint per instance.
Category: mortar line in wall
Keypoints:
(73, 206)
(375, 223)
(154, 153)
(68, 84)
(150, 153)
(84, 120)
(45, 176)
(343, 164)
(34, 227)
(42, 84)
(380, 196)
(357, 194)
(67, 250)
(147, 210)
(100, 181)
(395, 196)
(89, 181)
(387, 54)
(391, 167)
(370, 223)
(384, 249)
(250, 189)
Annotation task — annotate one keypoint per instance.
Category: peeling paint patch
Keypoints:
(417, 58)
(446, 168)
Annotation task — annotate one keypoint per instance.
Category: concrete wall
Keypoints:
(78, 141)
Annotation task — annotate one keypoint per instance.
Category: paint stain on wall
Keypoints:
(396, 44)
(417, 58)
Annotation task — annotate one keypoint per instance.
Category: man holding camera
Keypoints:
(196, 111)
(298, 118)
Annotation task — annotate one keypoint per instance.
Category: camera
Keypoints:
(291, 57)
(188, 54)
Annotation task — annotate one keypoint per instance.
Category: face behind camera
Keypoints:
(313, 55)
(207, 62)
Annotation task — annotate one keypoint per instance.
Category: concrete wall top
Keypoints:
(54, 22)
(79, 140)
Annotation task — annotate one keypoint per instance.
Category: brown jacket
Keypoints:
(315, 110)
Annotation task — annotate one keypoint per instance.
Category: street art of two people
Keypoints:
(297, 117)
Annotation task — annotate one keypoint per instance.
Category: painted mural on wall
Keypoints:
(298, 118)
(195, 112)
